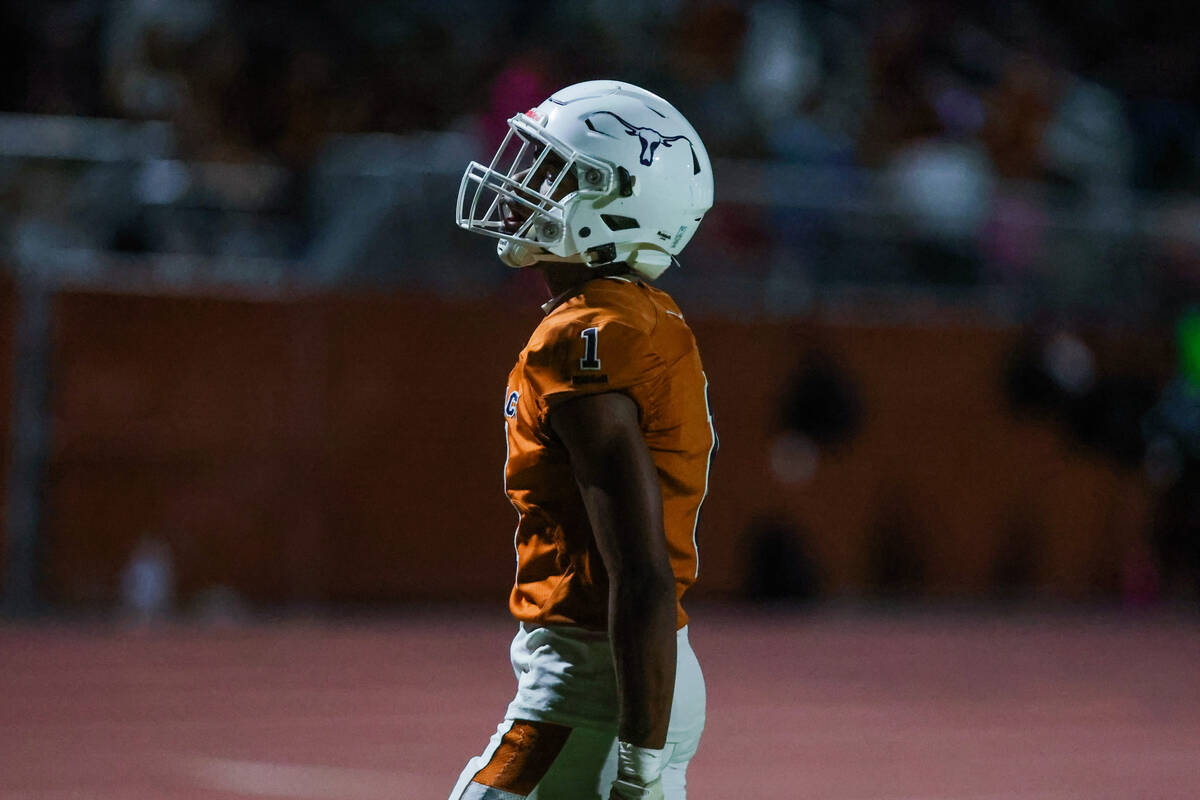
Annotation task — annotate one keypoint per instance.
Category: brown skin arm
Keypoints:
(620, 489)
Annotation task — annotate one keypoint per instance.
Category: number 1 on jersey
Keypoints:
(590, 338)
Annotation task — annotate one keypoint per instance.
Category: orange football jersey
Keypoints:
(613, 335)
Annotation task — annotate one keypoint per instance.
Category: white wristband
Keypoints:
(640, 764)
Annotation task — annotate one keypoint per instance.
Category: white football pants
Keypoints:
(565, 676)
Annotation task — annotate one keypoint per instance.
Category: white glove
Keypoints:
(639, 773)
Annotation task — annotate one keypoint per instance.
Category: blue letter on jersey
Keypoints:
(510, 405)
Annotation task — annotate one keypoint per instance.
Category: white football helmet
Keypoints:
(601, 172)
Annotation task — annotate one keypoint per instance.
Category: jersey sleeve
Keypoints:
(590, 357)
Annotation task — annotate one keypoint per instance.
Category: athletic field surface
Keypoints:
(820, 705)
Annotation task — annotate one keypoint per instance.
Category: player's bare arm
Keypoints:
(619, 486)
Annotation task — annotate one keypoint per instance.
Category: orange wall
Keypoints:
(350, 449)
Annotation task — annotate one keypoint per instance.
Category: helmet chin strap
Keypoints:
(517, 254)
(648, 262)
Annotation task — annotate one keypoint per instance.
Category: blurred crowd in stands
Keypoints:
(1106, 93)
(979, 119)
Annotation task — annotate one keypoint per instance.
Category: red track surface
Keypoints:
(822, 707)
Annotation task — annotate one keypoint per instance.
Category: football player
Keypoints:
(609, 443)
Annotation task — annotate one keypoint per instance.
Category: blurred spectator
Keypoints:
(1153, 58)
(822, 124)
(1172, 430)
(1168, 144)
(1087, 140)
(922, 130)
(1018, 109)
(900, 52)
(1056, 375)
(823, 402)
(16, 52)
(706, 46)
(1047, 370)
(821, 412)
(1176, 255)
(942, 191)
(60, 55)
(148, 581)
(780, 566)
(1014, 237)
(523, 83)
(780, 61)
(145, 44)
(897, 564)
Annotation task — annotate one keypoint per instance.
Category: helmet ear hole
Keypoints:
(616, 222)
(601, 254)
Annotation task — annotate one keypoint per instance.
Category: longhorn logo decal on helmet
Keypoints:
(650, 138)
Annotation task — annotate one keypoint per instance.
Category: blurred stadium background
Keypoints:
(947, 300)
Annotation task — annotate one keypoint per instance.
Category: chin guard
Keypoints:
(515, 254)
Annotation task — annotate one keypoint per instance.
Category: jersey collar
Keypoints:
(567, 294)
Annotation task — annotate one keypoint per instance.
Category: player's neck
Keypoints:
(563, 276)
